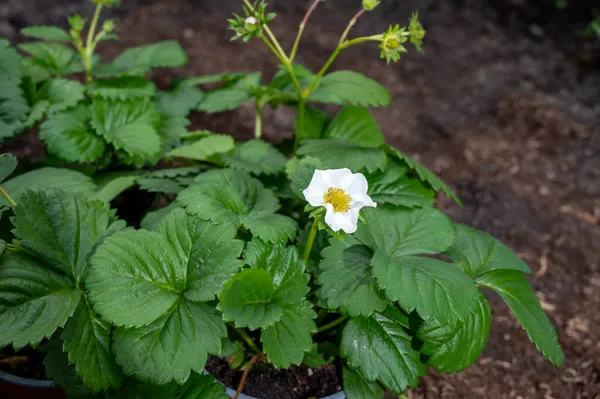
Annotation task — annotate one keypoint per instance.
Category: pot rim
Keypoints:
(26, 382)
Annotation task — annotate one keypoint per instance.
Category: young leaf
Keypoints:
(180, 101)
(256, 157)
(379, 349)
(401, 231)
(356, 387)
(348, 87)
(346, 278)
(478, 253)
(356, 125)
(60, 94)
(231, 95)
(48, 33)
(286, 341)
(61, 230)
(53, 58)
(204, 148)
(454, 348)
(336, 154)
(234, 196)
(87, 341)
(394, 186)
(436, 289)
(424, 174)
(519, 296)
(142, 59)
(122, 88)
(8, 164)
(34, 300)
(69, 136)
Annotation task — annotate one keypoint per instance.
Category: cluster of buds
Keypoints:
(392, 41)
(251, 23)
(77, 24)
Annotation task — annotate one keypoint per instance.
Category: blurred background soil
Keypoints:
(504, 105)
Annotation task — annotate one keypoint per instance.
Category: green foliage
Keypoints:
(49, 33)
(356, 125)
(231, 95)
(51, 59)
(205, 148)
(256, 157)
(347, 87)
(8, 164)
(142, 59)
(13, 107)
(122, 88)
(395, 186)
(356, 387)
(337, 154)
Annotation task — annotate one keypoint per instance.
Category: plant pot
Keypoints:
(14, 387)
(231, 393)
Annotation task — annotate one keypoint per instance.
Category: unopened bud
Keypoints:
(370, 5)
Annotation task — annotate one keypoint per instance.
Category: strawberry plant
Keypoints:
(329, 252)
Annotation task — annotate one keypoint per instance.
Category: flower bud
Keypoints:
(370, 5)
(108, 26)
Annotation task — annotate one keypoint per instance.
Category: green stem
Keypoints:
(300, 124)
(267, 30)
(333, 324)
(311, 239)
(89, 44)
(286, 63)
(248, 341)
(258, 122)
(8, 197)
(350, 25)
(301, 29)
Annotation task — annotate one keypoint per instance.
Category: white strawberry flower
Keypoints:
(342, 193)
(250, 21)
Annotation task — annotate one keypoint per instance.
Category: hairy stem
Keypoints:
(8, 197)
(333, 324)
(245, 375)
(301, 29)
(89, 45)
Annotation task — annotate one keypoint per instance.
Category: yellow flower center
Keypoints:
(338, 198)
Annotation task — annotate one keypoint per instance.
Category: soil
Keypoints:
(504, 105)
(26, 362)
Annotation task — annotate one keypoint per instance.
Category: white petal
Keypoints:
(346, 221)
(362, 200)
(315, 192)
(333, 177)
(330, 218)
(356, 184)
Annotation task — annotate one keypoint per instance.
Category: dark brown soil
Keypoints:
(268, 383)
(26, 363)
(505, 106)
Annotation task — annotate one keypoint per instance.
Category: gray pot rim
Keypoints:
(25, 382)
(231, 393)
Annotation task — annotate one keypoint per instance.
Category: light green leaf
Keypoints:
(348, 87)
(233, 196)
(477, 253)
(256, 157)
(287, 272)
(357, 125)
(272, 227)
(87, 341)
(337, 154)
(13, 106)
(519, 296)
(171, 180)
(54, 59)
(356, 387)
(10, 62)
(60, 94)
(69, 136)
(401, 231)
(315, 122)
(180, 101)
(172, 346)
(346, 278)
(379, 349)
(394, 186)
(231, 95)
(286, 341)
(49, 33)
(122, 88)
(129, 126)
(436, 289)
(34, 300)
(60, 229)
(142, 59)
(8, 164)
(424, 174)
(204, 148)
(454, 348)
(300, 172)
(111, 185)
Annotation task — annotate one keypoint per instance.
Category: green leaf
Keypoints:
(171, 180)
(10, 62)
(337, 154)
(49, 33)
(454, 348)
(477, 253)
(315, 122)
(54, 59)
(379, 349)
(272, 227)
(13, 106)
(283, 83)
(204, 148)
(401, 231)
(61, 230)
(394, 186)
(235, 197)
(67, 180)
(111, 185)
(357, 125)
(346, 279)
(519, 296)
(129, 126)
(300, 173)
(256, 157)
(434, 288)
(356, 387)
(317, 357)
(172, 346)
(87, 341)
(348, 87)
(8, 164)
(122, 88)
(69, 136)
(201, 387)
(153, 219)
(34, 300)
(179, 101)
(424, 174)
(62, 374)
(142, 59)
(61, 94)
(231, 95)
(286, 341)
